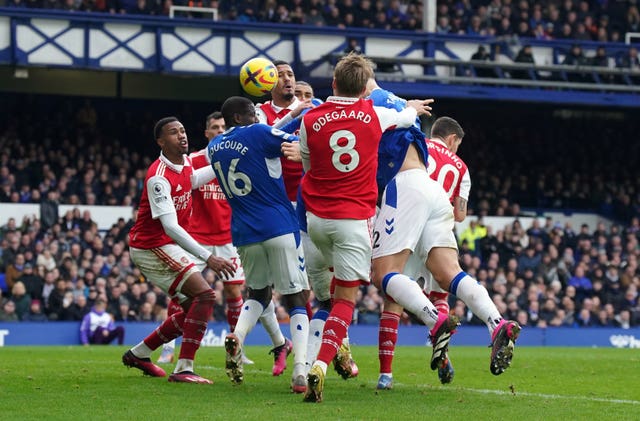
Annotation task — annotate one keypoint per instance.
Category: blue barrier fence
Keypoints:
(58, 39)
(67, 333)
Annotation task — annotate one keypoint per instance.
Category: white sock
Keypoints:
(251, 311)
(141, 350)
(299, 326)
(476, 297)
(408, 294)
(316, 326)
(183, 365)
(270, 322)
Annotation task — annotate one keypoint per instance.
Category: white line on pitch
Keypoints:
(550, 396)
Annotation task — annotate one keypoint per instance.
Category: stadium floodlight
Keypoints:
(205, 10)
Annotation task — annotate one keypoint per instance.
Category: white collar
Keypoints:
(175, 167)
(343, 99)
(291, 106)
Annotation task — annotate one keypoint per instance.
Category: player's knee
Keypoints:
(294, 300)
(263, 296)
(231, 291)
(208, 296)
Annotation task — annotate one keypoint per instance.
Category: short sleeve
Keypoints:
(159, 192)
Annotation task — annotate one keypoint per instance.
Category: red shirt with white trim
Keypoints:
(448, 170)
(291, 171)
(167, 188)
(211, 219)
(339, 142)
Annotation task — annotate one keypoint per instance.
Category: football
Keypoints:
(258, 76)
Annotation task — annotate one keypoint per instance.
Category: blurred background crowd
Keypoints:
(544, 273)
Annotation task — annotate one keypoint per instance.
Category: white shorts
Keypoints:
(278, 261)
(317, 269)
(227, 251)
(415, 215)
(166, 266)
(345, 245)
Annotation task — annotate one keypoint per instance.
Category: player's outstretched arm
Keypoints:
(422, 106)
(202, 176)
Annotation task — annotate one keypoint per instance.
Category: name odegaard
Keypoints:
(339, 115)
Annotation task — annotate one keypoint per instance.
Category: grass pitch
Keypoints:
(76, 382)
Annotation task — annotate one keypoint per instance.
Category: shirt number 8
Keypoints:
(345, 158)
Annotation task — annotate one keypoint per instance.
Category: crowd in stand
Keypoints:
(541, 275)
(602, 21)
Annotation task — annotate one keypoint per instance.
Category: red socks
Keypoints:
(234, 307)
(440, 301)
(387, 338)
(195, 323)
(335, 329)
(170, 329)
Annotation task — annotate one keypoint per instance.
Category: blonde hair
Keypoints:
(351, 75)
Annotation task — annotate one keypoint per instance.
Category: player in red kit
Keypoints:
(282, 109)
(338, 143)
(166, 254)
(210, 226)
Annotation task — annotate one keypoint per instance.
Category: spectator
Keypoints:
(21, 299)
(482, 55)
(8, 312)
(576, 57)
(525, 56)
(35, 313)
(98, 328)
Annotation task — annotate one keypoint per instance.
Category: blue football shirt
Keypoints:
(246, 160)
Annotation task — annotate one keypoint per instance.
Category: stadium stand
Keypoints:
(542, 274)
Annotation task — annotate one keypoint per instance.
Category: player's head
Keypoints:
(283, 92)
(238, 111)
(171, 137)
(214, 125)
(303, 90)
(351, 75)
(449, 131)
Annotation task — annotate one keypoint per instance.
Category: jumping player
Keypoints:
(338, 144)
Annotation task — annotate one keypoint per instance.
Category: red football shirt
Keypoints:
(448, 169)
(169, 184)
(291, 171)
(211, 219)
(340, 141)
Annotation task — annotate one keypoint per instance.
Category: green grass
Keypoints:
(543, 383)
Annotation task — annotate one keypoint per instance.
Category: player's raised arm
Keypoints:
(390, 118)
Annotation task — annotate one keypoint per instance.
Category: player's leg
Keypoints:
(168, 349)
(440, 300)
(399, 230)
(387, 338)
(287, 262)
(196, 318)
(232, 288)
(346, 243)
(443, 264)
(164, 266)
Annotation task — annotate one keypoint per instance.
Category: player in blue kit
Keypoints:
(416, 219)
(264, 228)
